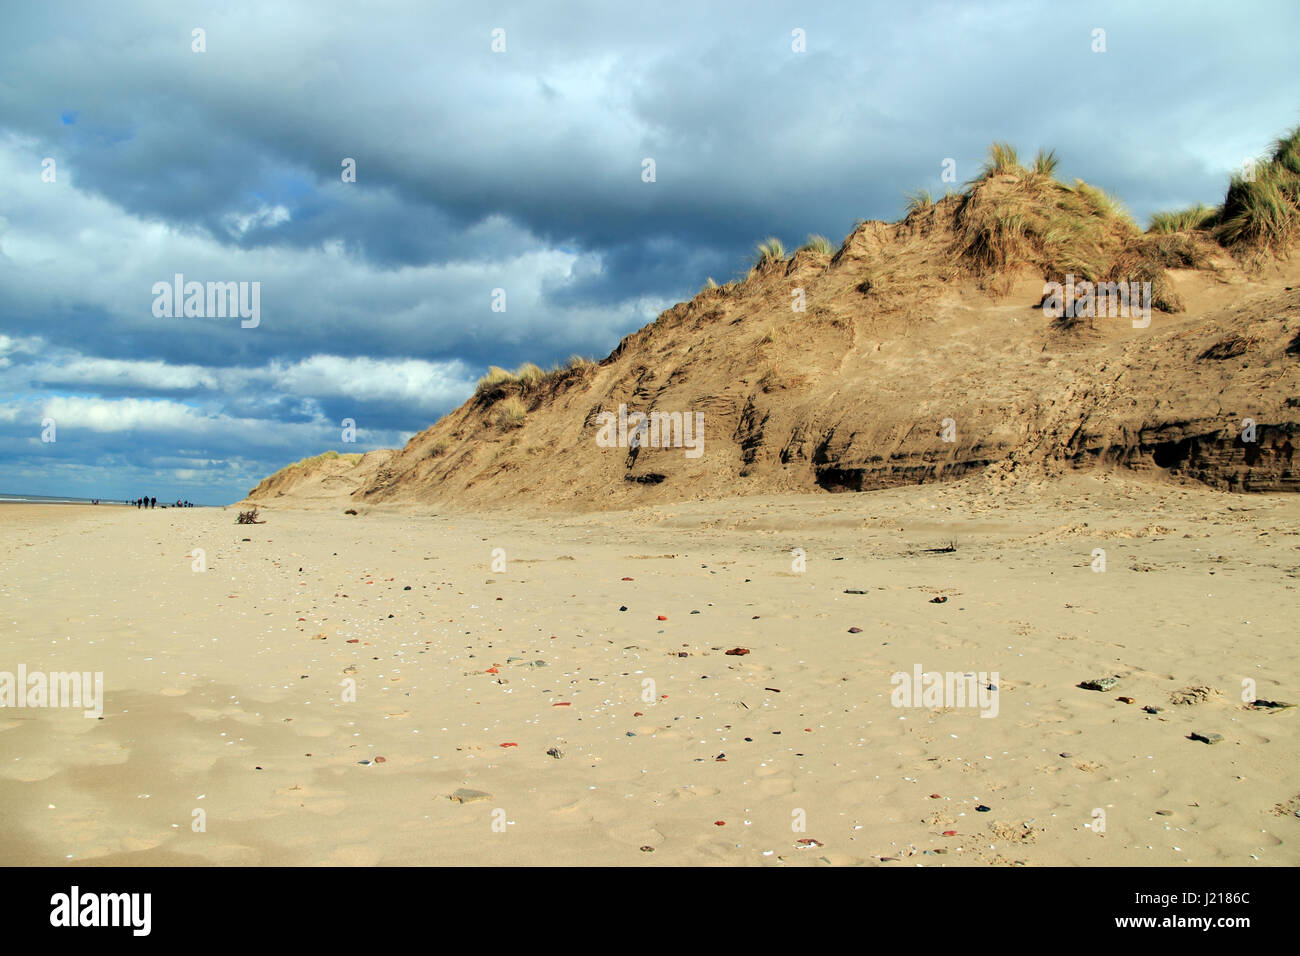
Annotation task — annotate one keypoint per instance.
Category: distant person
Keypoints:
(153, 502)
(137, 504)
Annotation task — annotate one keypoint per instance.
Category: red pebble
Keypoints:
(561, 703)
(719, 823)
(509, 745)
(625, 579)
(934, 796)
(949, 832)
(661, 618)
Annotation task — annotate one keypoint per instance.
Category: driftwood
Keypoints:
(248, 517)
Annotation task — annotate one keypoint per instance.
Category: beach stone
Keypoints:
(1194, 695)
(1206, 737)
(855, 630)
(1150, 709)
(853, 591)
(1100, 683)
(939, 600)
(469, 796)
(1272, 704)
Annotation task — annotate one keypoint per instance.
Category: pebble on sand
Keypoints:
(1205, 737)
(737, 652)
(469, 796)
(855, 630)
(1099, 683)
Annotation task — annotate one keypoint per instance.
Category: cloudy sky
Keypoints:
(128, 156)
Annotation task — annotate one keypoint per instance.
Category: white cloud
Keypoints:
(266, 217)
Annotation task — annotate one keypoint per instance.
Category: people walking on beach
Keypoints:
(153, 502)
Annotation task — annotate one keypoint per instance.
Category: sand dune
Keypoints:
(930, 374)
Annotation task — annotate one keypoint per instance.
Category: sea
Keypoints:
(6, 499)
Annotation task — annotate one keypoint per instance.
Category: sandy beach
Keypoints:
(333, 689)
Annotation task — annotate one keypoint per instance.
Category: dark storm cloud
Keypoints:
(519, 170)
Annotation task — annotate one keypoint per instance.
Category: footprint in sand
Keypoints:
(304, 798)
(30, 770)
(824, 858)
(353, 856)
(692, 792)
(776, 786)
(637, 835)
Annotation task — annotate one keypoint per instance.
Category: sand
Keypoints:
(226, 690)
